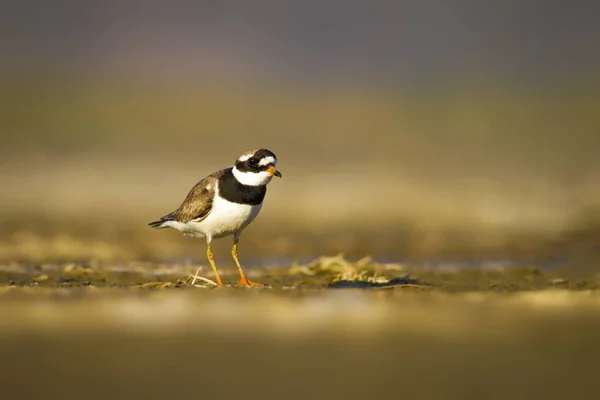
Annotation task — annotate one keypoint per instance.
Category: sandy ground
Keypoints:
(328, 329)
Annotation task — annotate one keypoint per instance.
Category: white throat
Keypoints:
(252, 178)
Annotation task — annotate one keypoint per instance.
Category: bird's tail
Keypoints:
(163, 223)
(157, 225)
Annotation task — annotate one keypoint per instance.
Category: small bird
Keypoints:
(225, 203)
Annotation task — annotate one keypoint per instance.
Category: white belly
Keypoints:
(224, 219)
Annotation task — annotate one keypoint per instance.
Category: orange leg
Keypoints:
(243, 280)
(211, 260)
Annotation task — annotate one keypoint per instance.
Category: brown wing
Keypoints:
(198, 202)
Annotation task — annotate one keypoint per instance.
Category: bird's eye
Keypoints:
(253, 161)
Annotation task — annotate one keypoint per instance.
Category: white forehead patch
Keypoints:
(267, 160)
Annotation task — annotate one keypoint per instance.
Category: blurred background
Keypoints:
(432, 131)
(404, 130)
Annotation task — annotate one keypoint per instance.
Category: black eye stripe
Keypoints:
(252, 163)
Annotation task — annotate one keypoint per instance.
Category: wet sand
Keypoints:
(328, 329)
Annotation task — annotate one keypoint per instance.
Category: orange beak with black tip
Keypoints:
(274, 171)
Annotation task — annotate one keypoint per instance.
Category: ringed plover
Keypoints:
(224, 203)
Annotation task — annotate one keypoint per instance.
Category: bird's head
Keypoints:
(256, 167)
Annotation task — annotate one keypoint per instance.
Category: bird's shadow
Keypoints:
(400, 281)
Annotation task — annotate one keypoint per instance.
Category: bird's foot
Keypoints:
(247, 282)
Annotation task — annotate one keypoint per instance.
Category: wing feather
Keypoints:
(198, 203)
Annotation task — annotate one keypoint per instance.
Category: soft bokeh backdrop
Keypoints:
(411, 129)
(427, 134)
